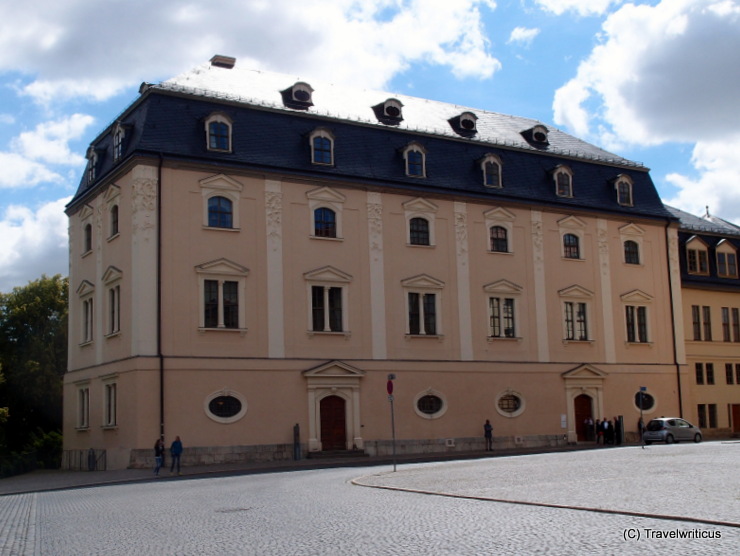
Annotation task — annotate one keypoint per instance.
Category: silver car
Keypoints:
(670, 430)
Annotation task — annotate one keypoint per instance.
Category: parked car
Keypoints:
(670, 430)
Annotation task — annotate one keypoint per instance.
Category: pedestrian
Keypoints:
(599, 432)
(488, 435)
(610, 433)
(176, 452)
(617, 431)
(158, 455)
(588, 424)
(605, 430)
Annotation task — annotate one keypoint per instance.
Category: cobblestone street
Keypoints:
(316, 512)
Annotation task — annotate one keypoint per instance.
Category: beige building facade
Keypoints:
(253, 307)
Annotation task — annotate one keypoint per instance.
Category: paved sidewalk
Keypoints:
(48, 480)
(696, 483)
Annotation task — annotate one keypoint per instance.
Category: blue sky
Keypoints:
(655, 81)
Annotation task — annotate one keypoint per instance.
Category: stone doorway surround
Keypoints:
(584, 379)
(334, 378)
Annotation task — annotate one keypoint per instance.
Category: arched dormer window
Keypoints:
(414, 156)
(623, 187)
(298, 96)
(563, 177)
(119, 135)
(322, 147)
(218, 132)
(491, 168)
(92, 165)
(537, 136)
(389, 112)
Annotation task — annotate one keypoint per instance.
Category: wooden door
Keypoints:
(333, 423)
(735, 419)
(583, 411)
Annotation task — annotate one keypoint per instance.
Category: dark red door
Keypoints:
(582, 407)
(735, 419)
(333, 423)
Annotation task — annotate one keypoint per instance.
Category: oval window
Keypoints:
(644, 401)
(509, 403)
(225, 406)
(429, 404)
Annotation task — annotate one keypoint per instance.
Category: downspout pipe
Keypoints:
(160, 356)
(673, 320)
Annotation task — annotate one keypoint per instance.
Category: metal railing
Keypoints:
(84, 460)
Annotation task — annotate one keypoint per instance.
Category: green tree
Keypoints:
(33, 358)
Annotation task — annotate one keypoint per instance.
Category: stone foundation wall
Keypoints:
(214, 455)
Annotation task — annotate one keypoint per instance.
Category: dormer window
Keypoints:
(322, 147)
(92, 165)
(537, 136)
(464, 124)
(623, 187)
(415, 157)
(726, 260)
(298, 97)
(563, 177)
(218, 132)
(491, 167)
(118, 136)
(697, 257)
(389, 112)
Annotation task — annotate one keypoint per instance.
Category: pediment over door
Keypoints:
(332, 370)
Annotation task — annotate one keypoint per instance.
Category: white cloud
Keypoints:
(363, 42)
(717, 184)
(666, 73)
(523, 35)
(581, 7)
(49, 142)
(34, 243)
(19, 171)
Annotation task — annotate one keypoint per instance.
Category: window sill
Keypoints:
(500, 252)
(220, 229)
(86, 253)
(641, 344)
(82, 429)
(504, 338)
(421, 245)
(325, 238)
(427, 336)
(86, 343)
(109, 427)
(345, 334)
(203, 330)
(114, 236)
(578, 260)
(113, 334)
(567, 341)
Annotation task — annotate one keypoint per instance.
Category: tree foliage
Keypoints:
(33, 359)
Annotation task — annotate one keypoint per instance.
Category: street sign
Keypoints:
(389, 387)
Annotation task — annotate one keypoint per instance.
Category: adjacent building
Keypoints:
(708, 248)
(254, 256)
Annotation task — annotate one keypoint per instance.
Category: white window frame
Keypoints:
(627, 181)
(326, 197)
(560, 169)
(431, 392)
(631, 232)
(222, 270)
(83, 406)
(119, 134)
(112, 278)
(492, 159)
(577, 227)
(417, 147)
(423, 285)
(510, 414)
(420, 208)
(502, 289)
(110, 402)
(725, 248)
(221, 185)
(218, 394)
(219, 117)
(575, 296)
(86, 294)
(323, 133)
(505, 219)
(92, 165)
(700, 248)
(328, 277)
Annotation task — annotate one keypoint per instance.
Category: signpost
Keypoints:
(642, 423)
(389, 388)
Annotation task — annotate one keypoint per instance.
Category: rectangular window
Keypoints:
(110, 402)
(729, 374)
(422, 311)
(699, 368)
(636, 324)
(83, 408)
(727, 265)
(114, 310)
(576, 326)
(712, 415)
(698, 262)
(701, 411)
(707, 317)
(326, 309)
(696, 321)
(710, 373)
(501, 314)
(726, 324)
(220, 304)
(735, 325)
(737, 373)
(87, 320)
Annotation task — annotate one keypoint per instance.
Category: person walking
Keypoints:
(176, 452)
(488, 435)
(158, 455)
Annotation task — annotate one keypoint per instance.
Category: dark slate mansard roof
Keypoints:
(168, 120)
